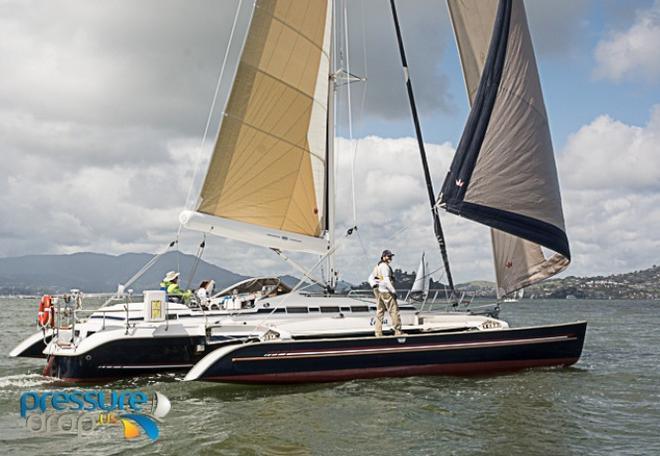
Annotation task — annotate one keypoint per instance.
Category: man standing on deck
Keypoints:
(382, 282)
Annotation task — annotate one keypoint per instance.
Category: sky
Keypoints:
(103, 106)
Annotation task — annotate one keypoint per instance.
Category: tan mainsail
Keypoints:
(505, 176)
(268, 168)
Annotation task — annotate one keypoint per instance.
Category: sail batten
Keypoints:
(268, 167)
(503, 174)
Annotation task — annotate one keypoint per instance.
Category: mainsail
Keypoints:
(503, 174)
(266, 183)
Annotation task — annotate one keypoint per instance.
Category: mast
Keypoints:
(437, 226)
(330, 156)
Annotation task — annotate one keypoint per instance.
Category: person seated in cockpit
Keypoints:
(171, 286)
(204, 292)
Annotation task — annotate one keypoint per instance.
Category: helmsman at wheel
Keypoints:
(382, 282)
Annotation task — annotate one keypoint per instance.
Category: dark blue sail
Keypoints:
(504, 174)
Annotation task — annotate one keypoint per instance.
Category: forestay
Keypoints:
(266, 183)
(503, 174)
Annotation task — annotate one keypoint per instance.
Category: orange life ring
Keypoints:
(46, 316)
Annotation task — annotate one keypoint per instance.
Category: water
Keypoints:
(608, 403)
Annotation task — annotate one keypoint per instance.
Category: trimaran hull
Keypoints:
(128, 358)
(327, 360)
(124, 356)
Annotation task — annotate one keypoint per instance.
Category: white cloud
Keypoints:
(394, 213)
(632, 53)
(611, 176)
(608, 154)
(608, 169)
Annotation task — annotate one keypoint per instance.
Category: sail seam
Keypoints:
(522, 100)
(246, 159)
(291, 200)
(283, 82)
(275, 136)
(297, 32)
(268, 165)
(249, 142)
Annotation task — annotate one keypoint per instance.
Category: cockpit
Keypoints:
(244, 294)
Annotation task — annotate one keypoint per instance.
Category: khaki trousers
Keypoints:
(387, 301)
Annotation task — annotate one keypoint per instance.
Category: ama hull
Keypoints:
(127, 358)
(33, 346)
(327, 360)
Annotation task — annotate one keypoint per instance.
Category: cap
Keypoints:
(386, 253)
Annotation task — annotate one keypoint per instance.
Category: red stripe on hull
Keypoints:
(399, 371)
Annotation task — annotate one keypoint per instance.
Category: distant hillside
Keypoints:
(100, 273)
(404, 280)
(95, 272)
(643, 284)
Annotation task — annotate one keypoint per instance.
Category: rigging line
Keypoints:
(298, 267)
(355, 144)
(430, 273)
(299, 284)
(320, 262)
(141, 272)
(397, 233)
(364, 39)
(364, 249)
(350, 113)
(365, 78)
(198, 258)
(359, 122)
(339, 49)
(212, 107)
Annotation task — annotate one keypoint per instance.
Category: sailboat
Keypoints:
(420, 287)
(503, 176)
(515, 296)
(270, 182)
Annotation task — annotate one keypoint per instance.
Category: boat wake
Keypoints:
(20, 381)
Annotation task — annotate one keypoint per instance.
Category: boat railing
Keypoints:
(89, 312)
(437, 299)
(69, 312)
(64, 318)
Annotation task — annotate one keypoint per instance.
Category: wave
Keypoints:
(23, 381)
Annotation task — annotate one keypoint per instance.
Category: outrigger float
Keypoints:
(416, 353)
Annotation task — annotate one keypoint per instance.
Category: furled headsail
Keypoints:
(266, 183)
(503, 174)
